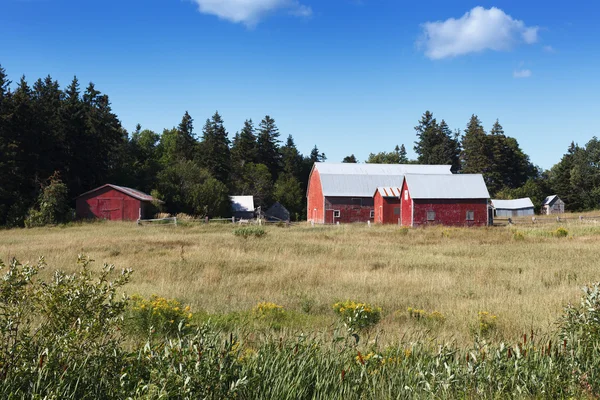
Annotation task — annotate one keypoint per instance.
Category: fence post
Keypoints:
(369, 223)
(175, 221)
(233, 220)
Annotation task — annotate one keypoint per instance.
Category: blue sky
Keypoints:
(352, 76)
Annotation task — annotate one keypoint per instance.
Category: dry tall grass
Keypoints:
(524, 275)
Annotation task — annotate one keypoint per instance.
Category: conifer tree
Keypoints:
(474, 155)
(268, 145)
(291, 158)
(351, 159)
(215, 148)
(243, 149)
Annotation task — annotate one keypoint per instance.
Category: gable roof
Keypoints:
(136, 194)
(389, 191)
(361, 180)
(549, 200)
(461, 186)
(242, 203)
(515, 204)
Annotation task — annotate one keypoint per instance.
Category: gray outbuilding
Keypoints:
(553, 205)
(513, 208)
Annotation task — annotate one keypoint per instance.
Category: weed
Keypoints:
(250, 231)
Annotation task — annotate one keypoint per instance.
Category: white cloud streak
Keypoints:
(521, 73)
(250, 12)
(478, 30)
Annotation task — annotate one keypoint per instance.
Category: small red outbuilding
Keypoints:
(115, 203)
(456, 200)
(387, 205)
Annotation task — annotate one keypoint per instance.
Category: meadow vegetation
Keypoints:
(523, 275)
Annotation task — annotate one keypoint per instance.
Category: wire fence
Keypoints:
(546, 220)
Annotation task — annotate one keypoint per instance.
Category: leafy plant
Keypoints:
(487, 322)
(158, 315)
(561, 232)
(357, 316)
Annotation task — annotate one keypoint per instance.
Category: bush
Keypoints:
(422, 315)
(269, 311)
(487, 322)
(53, 205)
(250, 231)
(561, 232)
(158, 315)
(357, 316)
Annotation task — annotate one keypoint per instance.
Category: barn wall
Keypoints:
(314, 207)
(523, 212)
(378, 205)
(451, 212)
(406, 206)
(110, 204)
(389, 204)
(352, 209)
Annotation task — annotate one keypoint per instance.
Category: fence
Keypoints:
(541, 220)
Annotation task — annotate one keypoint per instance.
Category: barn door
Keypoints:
(111, 209)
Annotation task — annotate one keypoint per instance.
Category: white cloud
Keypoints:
(479, 29)
(522, 73)
(549, 49)
(250, 12)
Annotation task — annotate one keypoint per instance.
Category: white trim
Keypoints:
(339, 214)
(412, 213)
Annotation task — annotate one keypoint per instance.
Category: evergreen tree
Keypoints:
(186, 144)
(351, 159)
(291, 158)
(288, 192)
(315, 156)
(268, 146)
(474, 155)
(402, 157)
(244, 148)
(216, 157)
(428, 139)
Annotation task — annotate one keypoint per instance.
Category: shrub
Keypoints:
(487, 322)
(561, 232)
(357, 316)
(158, 315)
(53, 205)
(250, 231)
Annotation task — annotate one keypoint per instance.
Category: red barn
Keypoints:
(115, 203)
(387, 205)
(343, 192)
(455, 200)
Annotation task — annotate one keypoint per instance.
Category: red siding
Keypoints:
(452, 212)
(352, 209)
(315, 199)
(384, 209)
(406, 202)
(110, 204)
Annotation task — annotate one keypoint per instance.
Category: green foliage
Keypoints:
(351, 159)
(398, 156)
(53, 205)
(486, 323)
(436, 144)
(561, 233)
(357, 316)
(158, 315)
(289, 193)
(250, 231)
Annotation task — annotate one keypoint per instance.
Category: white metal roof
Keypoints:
(389, 191)
(242, 203)
(515, 204)
(460, 186)
(380, 169)
(548, 200)
(361, 180)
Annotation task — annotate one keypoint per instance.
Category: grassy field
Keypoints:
(523, 275)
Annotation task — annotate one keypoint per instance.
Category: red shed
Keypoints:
(387, 205)
(456, 200)
(115, 203)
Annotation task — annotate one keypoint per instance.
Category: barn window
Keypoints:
(336, 213)
(470, 215)
(372, 214)
(430, 215)
(406, 195)
(396, 210)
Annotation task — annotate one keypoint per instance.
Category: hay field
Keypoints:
(524, 275)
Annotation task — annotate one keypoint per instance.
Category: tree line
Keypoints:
(506, 169)
(59, 143)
